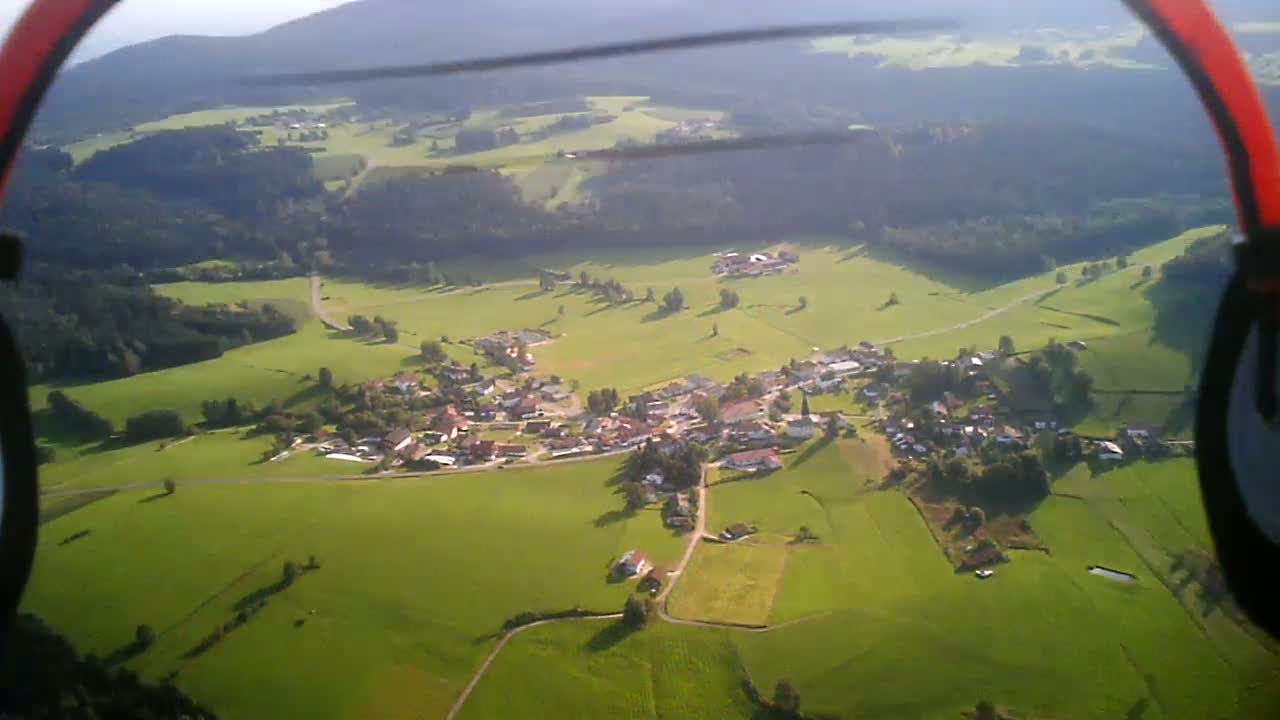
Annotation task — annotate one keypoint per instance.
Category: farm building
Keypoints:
(751, 460)
(397, 440)
(742, 412)
(632, 563)
(1110, 451)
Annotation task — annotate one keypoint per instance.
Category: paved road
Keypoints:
(484, 667)
(960, 326)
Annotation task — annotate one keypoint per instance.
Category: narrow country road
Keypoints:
(967, 323)
(475, 679)
(358, 180)
(312, 479)
(318, 307)
(699, 527)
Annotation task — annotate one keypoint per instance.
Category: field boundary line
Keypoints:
(493, 654)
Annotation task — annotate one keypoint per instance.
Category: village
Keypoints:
(928, 411)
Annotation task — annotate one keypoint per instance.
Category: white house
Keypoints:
(754, 460)
(1110, 451)
(845, 368)
(653, 479)
(802, 428)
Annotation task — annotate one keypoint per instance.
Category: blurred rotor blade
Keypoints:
(698, 147)
(596, 52)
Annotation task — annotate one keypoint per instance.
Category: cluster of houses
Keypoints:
(736, 264)
(506, 345)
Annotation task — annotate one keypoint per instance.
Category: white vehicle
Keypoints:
(984, 574)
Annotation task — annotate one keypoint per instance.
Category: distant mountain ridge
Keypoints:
(182, 73)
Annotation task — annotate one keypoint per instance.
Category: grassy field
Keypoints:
(273, 370)
(590, 668)
(416, 576)
(1106, 47)
(636, 346)
(218, 455)
(1042, 636)
(888, 629)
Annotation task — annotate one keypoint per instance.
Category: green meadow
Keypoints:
(591, 668)
(886, 628)
(416, 577)
(636, 345)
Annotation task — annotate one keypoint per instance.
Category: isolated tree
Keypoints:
(326, 377)
(1086, 272)
(391, 332)
(433, 352)
(1147, 272)
(170, 487)
(729, 298)
(560, 311)
(1006, 345)
(893, 299)
(1062, 278)
(290, 572)
(673, 301)
(144, 636)
(361, 325)
(635, 612)
(435, 145)
(785, 696)
(648, 295)
(312, 562)
(715, 329)
(833, 426)
(707, 407)
(310, 423)
(984, 710)
(634, 495)
(1122, 262)
(546, 283)
(804, 302)
(584, 278)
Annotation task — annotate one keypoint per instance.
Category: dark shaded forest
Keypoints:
(996, 200)
(42, 678)
(87, 325)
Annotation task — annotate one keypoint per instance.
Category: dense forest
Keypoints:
(1028, 195)
(86, 325)
(957, 195)
(1186, 297)
(42, 678)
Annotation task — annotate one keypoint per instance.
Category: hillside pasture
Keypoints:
(416, 579)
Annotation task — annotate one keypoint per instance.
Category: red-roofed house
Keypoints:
(742, 412)
(483, 450)
(526, 407)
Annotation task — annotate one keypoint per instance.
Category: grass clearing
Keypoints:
(733, 583)
(663, 671)
(416, 576)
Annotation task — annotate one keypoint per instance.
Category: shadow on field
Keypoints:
(123, 654)
(713, 310)
(659, 313)
(152, 498)
(796, 309)
(533, 295)
(611, 635)
(811, 450)
(260, 595)
(610, 517)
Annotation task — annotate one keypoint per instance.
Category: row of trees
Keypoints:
(378, 327)
(603, 401)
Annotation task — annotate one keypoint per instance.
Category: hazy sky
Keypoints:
(137, 20)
